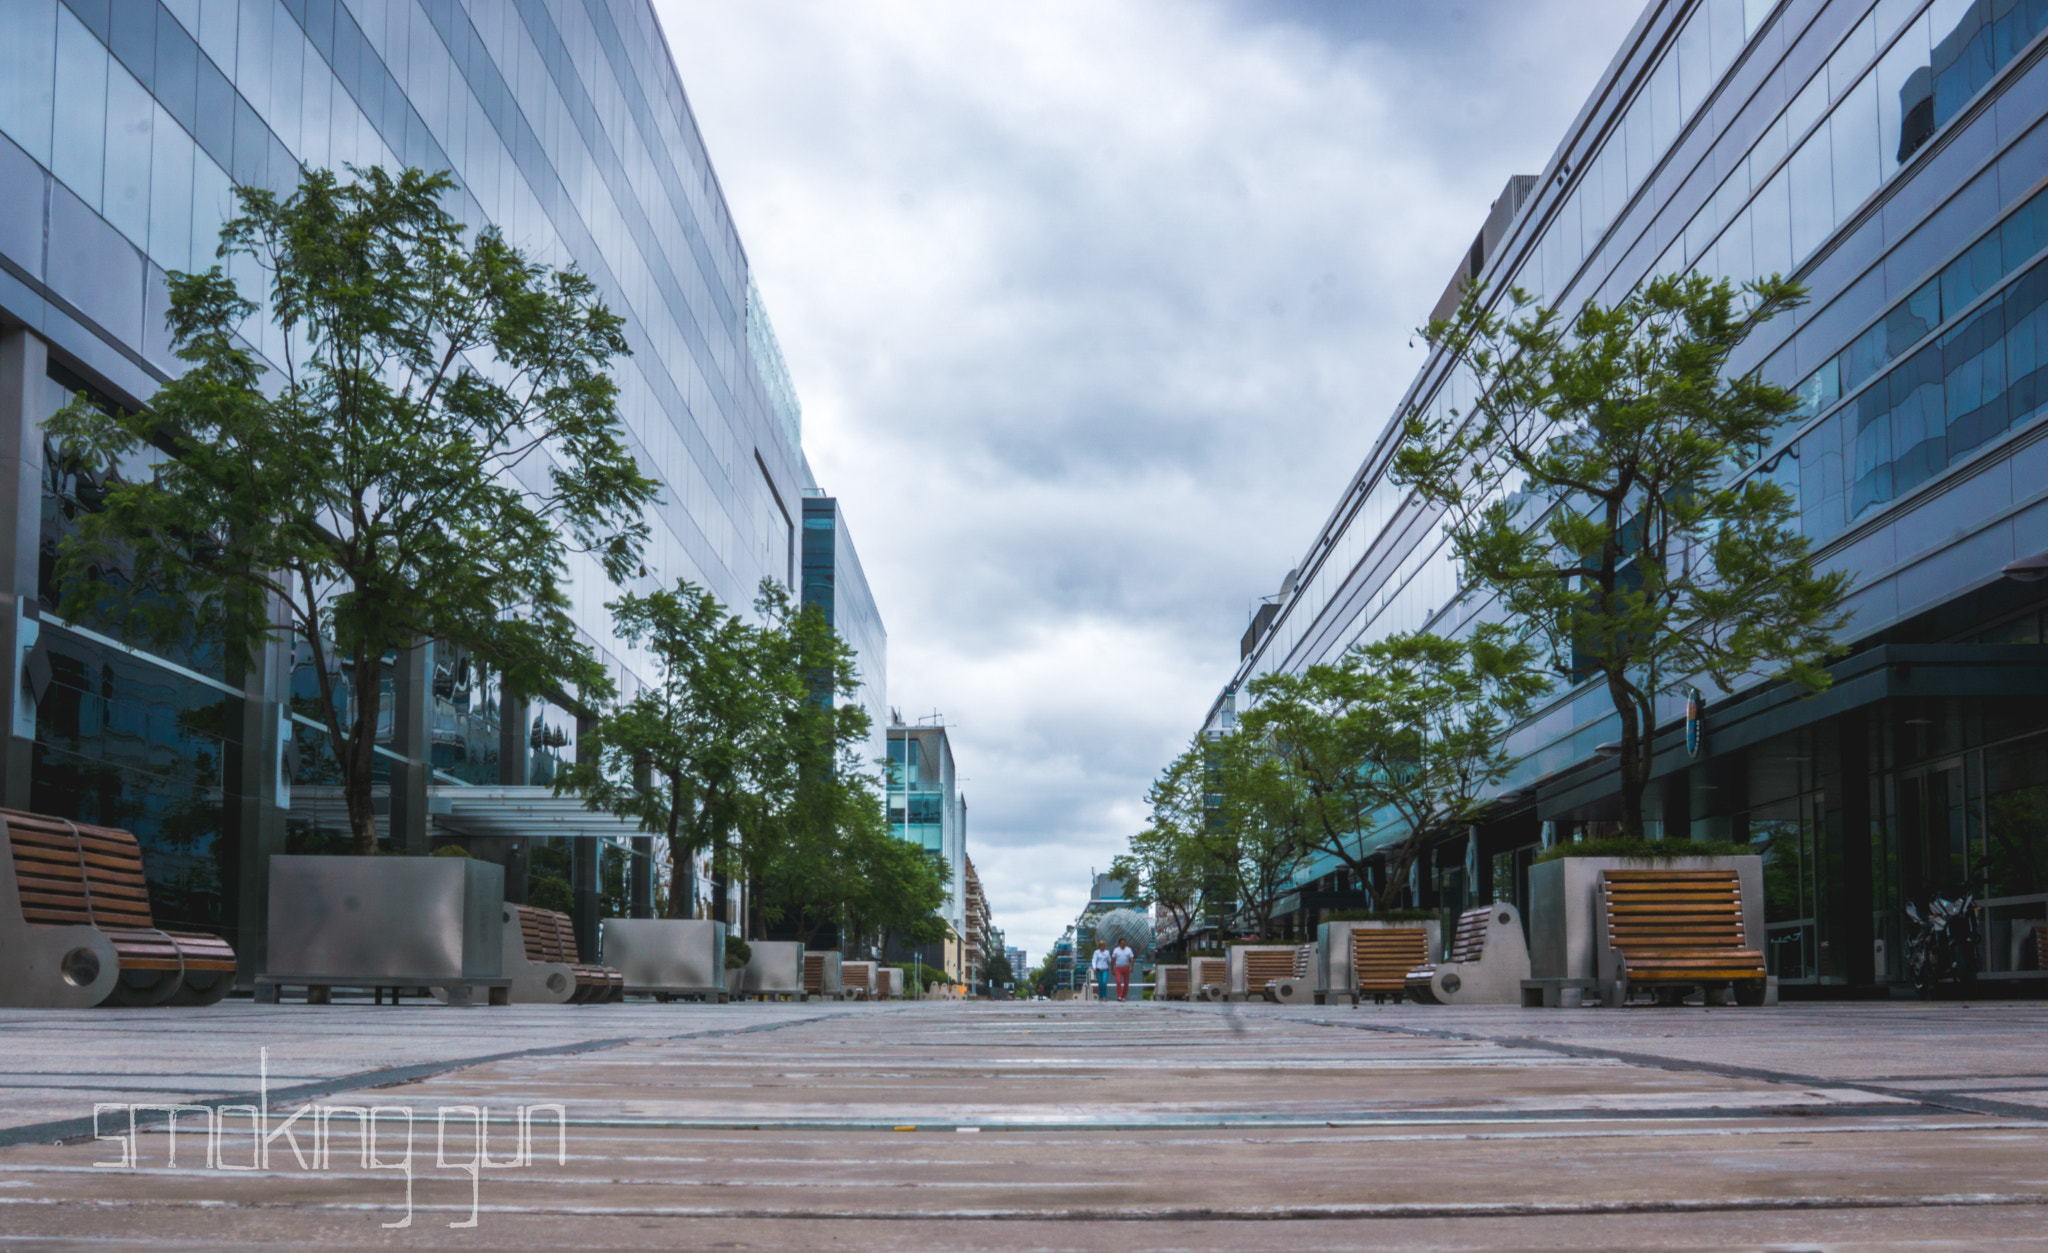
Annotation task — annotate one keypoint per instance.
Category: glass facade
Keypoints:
(926, 807)
(1889, 154)
(834, 581)
(124, 126)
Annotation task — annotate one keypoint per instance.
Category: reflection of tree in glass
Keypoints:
(1779, 843)
(2016, 847)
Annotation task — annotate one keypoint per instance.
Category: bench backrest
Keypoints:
(859, 975)
(71, 874)
(1673, 909)
(1264, 965)
(1381, 957)
(1206, 970)
(1469, 944)
(1173, 981)
(814, 972)
(549, 935)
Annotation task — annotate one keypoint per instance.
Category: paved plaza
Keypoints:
(1029, 1126)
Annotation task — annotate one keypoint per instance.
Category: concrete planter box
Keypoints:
(1333, 951)
(668, 957)
(1567, 950)
(386, 922)
(857, 979)
(775, 970)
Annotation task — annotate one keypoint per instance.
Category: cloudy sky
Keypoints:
(1093, 308)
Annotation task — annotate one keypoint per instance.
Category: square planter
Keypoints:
(386, 922)
(774, 970)
(668, 957)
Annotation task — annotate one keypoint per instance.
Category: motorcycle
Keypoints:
(1943, 946)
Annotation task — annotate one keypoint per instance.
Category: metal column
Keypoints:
(23, 364)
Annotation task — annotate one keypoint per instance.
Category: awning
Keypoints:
(522, 813)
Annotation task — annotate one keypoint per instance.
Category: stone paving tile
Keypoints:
(1244, 1127)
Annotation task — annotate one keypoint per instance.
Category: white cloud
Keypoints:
(1093, 309)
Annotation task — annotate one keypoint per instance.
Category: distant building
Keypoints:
(834, 582)
(926, 808)
(980, 929)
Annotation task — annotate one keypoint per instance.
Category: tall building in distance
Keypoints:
(927, 809)
(122, 131)
(980, 931)
(1888, 154)
(834, 582)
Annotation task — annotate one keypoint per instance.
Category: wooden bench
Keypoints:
(1205, 973)
(1381, 958)
(821, 975)
(857, 980)
(1170, 983)
(82, 933)
(1675, 930)
(546, 937)
(1298, 985)
(1488, 960)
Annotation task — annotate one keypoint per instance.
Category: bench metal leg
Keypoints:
(266, 994)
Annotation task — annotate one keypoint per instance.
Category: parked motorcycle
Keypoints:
(1942, 948)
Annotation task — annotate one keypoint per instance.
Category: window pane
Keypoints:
(1812, 195)
(1973, 365)
(1665, 114)
(1905, 97)
(1854, 132)
(79, 137)
(1695, 73)
(1771, 226)
(131, 115)
(1970, 275)
(170, 195)
(27, 70)
(1642, 153)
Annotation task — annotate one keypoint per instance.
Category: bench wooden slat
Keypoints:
(1679, 926)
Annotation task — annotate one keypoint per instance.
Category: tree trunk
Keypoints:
(359, 758)
(682, 883)
(1635, 755)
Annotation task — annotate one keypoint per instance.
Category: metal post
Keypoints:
(412, 698)
(585, 870)
(640, 870)
(23, 367)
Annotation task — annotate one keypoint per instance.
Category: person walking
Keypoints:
(1120, 962)
(1100, 965)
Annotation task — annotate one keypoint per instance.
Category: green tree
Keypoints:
(1256, 828)
(1407, 732)
(997, 972)
(1168, 862)
(1588, 486)
(685, 755)
(441, 433)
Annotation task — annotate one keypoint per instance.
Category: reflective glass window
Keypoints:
(1853, 134)
(1905, 97)
(1970, 275)
(176, 86)
(131, 116)
(1812, 194)
(27, 74)
(78, 139)
(170, 194)
(1771, 226)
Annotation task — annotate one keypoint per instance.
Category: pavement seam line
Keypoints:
(1937, 1098)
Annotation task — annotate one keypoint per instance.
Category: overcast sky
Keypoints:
(1093, 309)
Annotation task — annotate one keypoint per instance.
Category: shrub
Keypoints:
(1381, 915)
(551, 892)
(737, 953)
(1645, 850)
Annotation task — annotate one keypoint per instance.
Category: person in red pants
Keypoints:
(1120, 963)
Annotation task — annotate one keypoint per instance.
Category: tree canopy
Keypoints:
(1590, 485)
(1406, 732)
(440, 436)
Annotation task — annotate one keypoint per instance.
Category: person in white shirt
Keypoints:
(1100, 965)
(1121, 961)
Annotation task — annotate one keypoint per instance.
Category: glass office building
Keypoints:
(124, 125)
(926, 807)
(834, 582)
(1890, 154)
